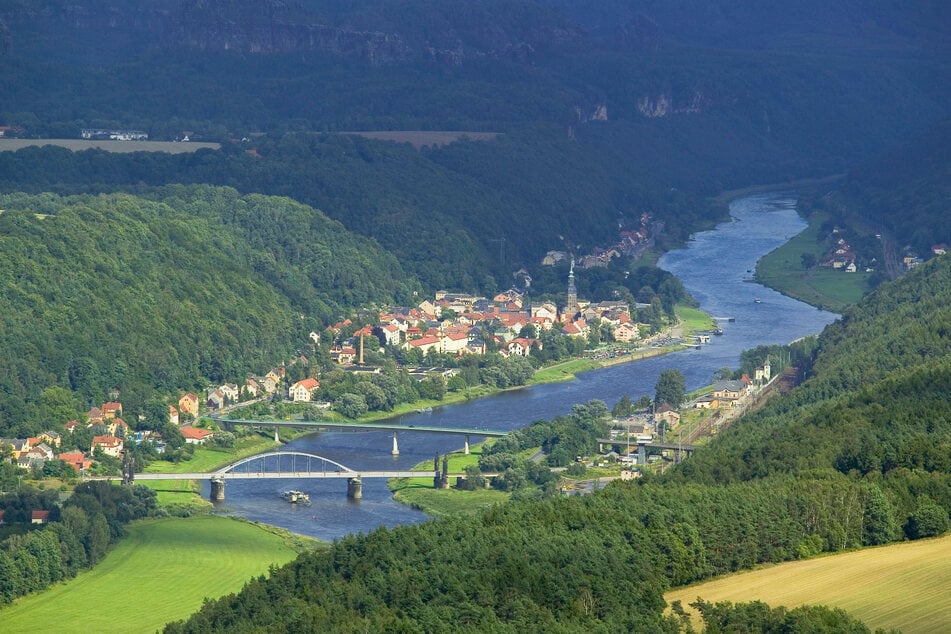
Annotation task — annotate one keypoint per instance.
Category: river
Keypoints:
(715, 267)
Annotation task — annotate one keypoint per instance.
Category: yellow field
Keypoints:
(905, 586)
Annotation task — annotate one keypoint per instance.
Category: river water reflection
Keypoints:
(716, 268)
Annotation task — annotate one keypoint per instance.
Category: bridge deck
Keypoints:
(318, 425)
(650, 445)
(276, 475)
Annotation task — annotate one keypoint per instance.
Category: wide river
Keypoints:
(715, 267)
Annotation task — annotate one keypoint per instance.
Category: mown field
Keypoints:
(422, 138)
(160, 572)
(78, 145)
(903, 586)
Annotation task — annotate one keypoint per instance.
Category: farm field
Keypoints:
(421, 138)
(160, 572)
(78, 145)
(905, 586)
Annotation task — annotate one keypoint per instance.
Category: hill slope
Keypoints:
(160, 293)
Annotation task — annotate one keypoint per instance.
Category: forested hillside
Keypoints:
(858, 455)
(189, 285)
(905, 191)
(442, 212)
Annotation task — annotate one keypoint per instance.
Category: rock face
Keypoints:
(663, 105)
(287, 27)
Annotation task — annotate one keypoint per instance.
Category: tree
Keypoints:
(351, 405)
(928, 520)
(670, 388)
(623, 407)
(808, 260)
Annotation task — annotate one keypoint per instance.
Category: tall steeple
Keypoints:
(571, 306)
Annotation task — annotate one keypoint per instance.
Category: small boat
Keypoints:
(296, 497)
(758, 301)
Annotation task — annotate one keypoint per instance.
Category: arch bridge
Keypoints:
(282, 465)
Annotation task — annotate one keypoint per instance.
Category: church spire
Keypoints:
(571, 306)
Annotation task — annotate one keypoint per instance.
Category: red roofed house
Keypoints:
(454, 342)
(424, 344)
(1, 516)
(72, 425)
(111, 410)
(522, 346)
(39, 517)
(303, 391)
(195, 436)
(172, 415)
(77, 460)
(188, 404)
(110, 445)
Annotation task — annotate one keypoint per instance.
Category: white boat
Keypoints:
(296, 497)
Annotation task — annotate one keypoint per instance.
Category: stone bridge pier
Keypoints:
(217, 493)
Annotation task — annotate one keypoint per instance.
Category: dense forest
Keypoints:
(441, 212)
(857, 455)
(607, 110)
(165, 293)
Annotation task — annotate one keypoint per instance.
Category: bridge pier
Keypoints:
(396, 447)
(217, 489)
(277, 437)
(466, 448)
(355, 488)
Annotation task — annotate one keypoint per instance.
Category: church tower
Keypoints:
(571, 306)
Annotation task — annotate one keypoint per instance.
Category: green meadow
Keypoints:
(160, 572)
(829, 289)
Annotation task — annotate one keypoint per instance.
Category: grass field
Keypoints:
(905, 586)
(160, 572)
(827, 288)
(419, 492)
(420, 138)
(78, 145)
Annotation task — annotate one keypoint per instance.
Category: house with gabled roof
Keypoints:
(188, 404)
(51, 437)
(77, 460)
(111, 409)
(303, 390)
(39, 517)
(424, 344)
(626, 332)
(196, 436)
(110, 445)
(173, 415)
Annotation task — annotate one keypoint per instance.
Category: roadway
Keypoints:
(276, 475)
(372, 426)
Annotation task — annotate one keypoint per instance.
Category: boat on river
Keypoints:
(296, 497)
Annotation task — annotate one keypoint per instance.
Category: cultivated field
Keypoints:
(78, 145)
(905, 586)
(160, 572)
(421, 138)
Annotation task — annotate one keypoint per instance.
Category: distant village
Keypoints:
(447, 325)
